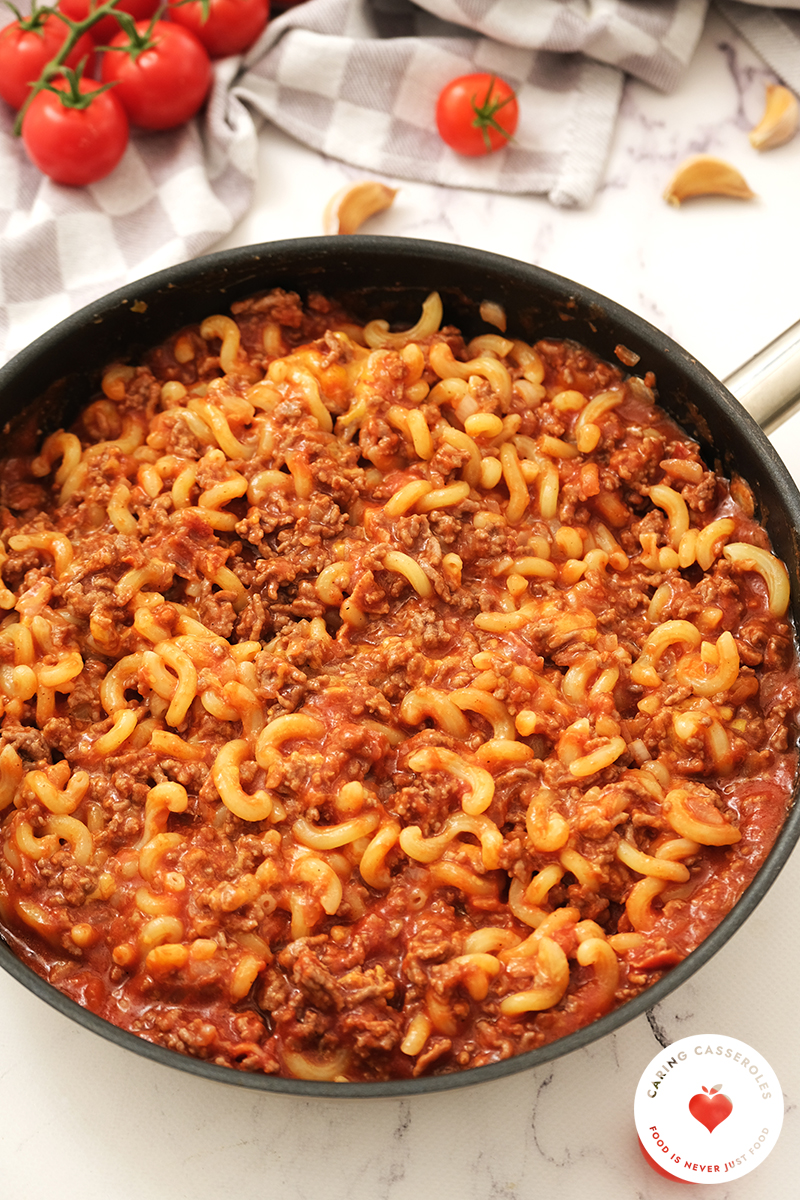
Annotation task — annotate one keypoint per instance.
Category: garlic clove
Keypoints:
(780, 120)
(704, 175)
(351, 206)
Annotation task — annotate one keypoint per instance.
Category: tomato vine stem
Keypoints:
(56, 64)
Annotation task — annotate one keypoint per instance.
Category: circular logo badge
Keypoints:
(708, 1109)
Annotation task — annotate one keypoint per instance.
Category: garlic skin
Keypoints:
(351, 206)
(780, 120)
(704, 175)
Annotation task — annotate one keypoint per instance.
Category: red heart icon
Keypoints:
(710, 1107)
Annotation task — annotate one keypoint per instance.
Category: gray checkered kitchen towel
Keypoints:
(356, 80)
(774, 33)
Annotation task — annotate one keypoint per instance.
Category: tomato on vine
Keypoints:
(27, 45)
(160, 71)
(477, 114)
(108, 27)
(224, 27)
(75, 130)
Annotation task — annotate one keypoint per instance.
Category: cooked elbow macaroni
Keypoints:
(376, 704)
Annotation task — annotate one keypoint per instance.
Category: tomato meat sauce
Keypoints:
(378, 703)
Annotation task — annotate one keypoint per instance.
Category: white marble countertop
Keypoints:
(82, 1120)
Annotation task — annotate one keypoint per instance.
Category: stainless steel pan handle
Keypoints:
(769, 384)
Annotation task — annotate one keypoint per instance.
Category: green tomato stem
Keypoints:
(484, 118)
(56, 64)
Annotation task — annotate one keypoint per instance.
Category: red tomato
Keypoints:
(476, 114)
(109, 27)
(231, 27)
(27, 45)
(75, 146)
(162, 84)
